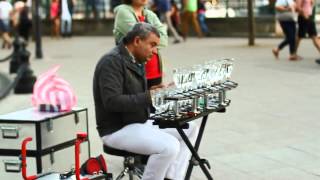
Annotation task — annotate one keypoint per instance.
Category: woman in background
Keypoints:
(55, 18)
(128, 14)
(285, 13)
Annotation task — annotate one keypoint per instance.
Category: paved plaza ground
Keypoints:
(270, 131)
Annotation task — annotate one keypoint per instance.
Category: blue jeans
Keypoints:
(202, 22)
(66, 26)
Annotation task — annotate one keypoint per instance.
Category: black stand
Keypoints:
(196, 148)
(194, 151)
(181, 124)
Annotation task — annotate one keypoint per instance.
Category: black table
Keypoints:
(182, 123)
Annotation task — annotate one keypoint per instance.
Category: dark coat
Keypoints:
(120, 92)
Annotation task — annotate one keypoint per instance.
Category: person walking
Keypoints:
(164, 7)
(5, 17)
(55, 18)
(189, 15)
(285, 13)
(306, 22)
(126, 16)
(22, 19)
(66, 9)
(202, 17)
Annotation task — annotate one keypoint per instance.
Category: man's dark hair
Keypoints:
(141, 30)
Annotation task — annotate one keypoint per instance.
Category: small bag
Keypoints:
(94, 165)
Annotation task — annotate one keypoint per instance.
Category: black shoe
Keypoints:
(318, 61)
(208, 34)
(176, 41)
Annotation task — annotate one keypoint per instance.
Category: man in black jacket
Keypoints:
(122, 107)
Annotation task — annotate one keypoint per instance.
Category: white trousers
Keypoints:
(169, 155)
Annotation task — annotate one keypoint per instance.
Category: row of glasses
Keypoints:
(211, 73)
(204, 75)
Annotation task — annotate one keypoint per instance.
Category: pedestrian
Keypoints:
(5, 18)
(285, 13)
(164, 7)
(22, 20)
(306, 22)
(66, 9)
(202, 17)
(55, 18)
(189, 15)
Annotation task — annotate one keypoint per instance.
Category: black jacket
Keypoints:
(120, 92)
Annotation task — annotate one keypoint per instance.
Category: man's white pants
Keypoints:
(169, 155)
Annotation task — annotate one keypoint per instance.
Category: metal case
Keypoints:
(56, 161)
(52, 148)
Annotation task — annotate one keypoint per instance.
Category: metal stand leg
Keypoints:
(122, 174)
(130, 169)
(195, 149)
(131, 175)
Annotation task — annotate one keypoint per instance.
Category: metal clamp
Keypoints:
(12, 165)
(76, 117)
(50, 126)
(10, 132)
(52, 156)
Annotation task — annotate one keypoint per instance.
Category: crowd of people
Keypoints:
(288, 12)
(178, 19)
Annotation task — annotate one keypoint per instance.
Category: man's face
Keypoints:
(139, 2)
(144, 48)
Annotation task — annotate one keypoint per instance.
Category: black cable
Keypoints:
(20, 72)
(6, 58)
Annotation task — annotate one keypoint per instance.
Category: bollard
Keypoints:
(27, 79)
(18, 45)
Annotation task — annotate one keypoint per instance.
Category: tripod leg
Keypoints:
(131, 175)
(122, 174)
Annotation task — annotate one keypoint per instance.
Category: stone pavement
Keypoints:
(270, 131)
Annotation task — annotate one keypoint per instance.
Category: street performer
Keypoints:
(122, 107)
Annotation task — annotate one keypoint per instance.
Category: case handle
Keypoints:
(12, 166)
(10, 132)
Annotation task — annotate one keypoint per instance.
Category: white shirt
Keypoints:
(284, 3)
(5, 9)
(65, 14)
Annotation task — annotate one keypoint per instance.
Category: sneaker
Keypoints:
(318, 61)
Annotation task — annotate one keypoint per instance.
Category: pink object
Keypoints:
(54, 10)
(53, 90)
